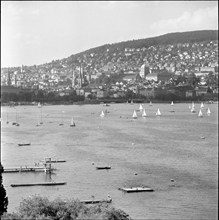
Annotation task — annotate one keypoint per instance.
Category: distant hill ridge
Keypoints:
(170, 38)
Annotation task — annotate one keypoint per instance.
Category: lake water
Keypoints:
(156, 149)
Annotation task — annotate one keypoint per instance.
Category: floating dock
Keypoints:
(27, 169)
(53, 161)
(103, 167)
(136, 189)
(38, 184)
(50, 160)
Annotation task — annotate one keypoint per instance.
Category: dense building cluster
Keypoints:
(154, 66)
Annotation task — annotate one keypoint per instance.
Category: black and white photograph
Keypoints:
(109, 110)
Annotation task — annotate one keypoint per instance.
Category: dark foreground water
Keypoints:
(156, 149)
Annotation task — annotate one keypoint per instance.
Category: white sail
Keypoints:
(150, 103)
(189, 106)
(200, 113)
(102, 114)
(140, 107)
(158, 113)
(144, 113)
(72, 122)
(134, 115)
(193, 105)
(202, 105)
(39, 105)
(208, 112)
(172, 103)
(193, 109)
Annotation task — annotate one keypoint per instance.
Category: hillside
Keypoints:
(175, 52)
(170, 38)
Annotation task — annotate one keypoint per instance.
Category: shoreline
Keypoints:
(105, 101)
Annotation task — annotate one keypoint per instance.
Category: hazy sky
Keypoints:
(36, 32)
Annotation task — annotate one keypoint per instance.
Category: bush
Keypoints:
(37, 207)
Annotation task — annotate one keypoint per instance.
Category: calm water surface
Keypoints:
(156, 149)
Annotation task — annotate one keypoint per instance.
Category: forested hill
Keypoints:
(171, 38)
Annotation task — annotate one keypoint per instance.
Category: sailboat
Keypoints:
(72, 123)
(140, 107)
(200, 113)
(193, 108)
(134, 116)
(62, 119)
(150, 103)
(202, 105)
(16, 123)
(208, 112)
(144, 113)
(172, 107)
(39, 105)
(158, 113)
(7, 119)
(102, 114)
(41, 122)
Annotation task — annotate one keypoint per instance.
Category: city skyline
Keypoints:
(34, 33)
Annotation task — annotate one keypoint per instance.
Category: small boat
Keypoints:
(24, 144)
(172, 103)
(106, 104)
(208, 112)
(72, 123)
(15, 123)
(144, 113)
(200, 114)
(102, 114)
(202, 105)
(150, 104)
(38, 184)
(134, 116)
(39, 105)
(158, 113)
(97, 201)
(103, 167)
(136, 189)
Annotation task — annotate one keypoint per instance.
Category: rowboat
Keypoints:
(103, 167)
(25, 144)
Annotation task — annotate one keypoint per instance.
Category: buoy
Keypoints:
(172, 180)
(92, 163)
(136, 173)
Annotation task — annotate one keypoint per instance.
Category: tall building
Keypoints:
(73, 79)
(9, 79)
(145, 70)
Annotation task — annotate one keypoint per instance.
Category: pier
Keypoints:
(47, 168)
(136, 189)
(38, 184)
